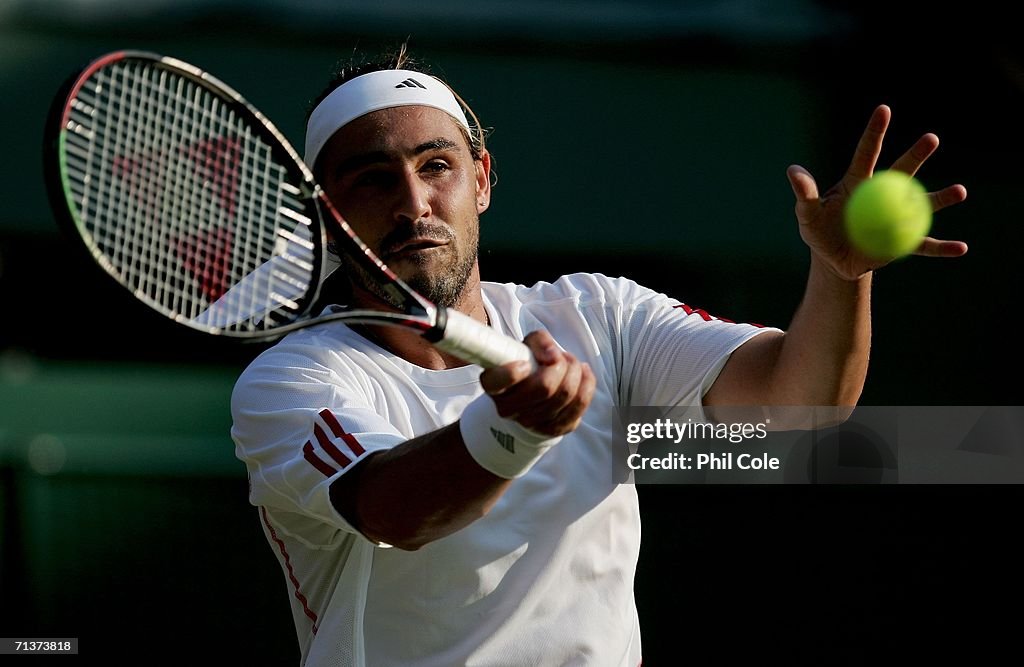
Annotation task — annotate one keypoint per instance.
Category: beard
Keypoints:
(442, 280)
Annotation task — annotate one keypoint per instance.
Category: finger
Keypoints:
(804, 186)
(938, 248)
(550, 387)
(865, 156)
(543, 346)
(522, 397)
(912, 160)
(569, 417)
(954, 194)
(568, 389)
(500, 379)
(543, 413)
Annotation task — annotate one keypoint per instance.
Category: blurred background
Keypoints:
(640, 138)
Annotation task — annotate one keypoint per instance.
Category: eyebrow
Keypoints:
(361, 160)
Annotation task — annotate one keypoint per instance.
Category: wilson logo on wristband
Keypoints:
(504, 439)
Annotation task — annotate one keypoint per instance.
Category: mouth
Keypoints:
(413, 246)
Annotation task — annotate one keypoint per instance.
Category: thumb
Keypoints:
(804, 186)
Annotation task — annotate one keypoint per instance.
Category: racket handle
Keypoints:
(471, 341)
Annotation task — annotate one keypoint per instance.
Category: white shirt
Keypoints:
(546, 578)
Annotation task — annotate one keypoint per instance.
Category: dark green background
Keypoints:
(642, 139)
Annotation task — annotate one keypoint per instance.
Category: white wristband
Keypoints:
(501, 445)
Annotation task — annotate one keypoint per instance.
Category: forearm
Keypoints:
(823, 357)
(422, 490)
(433, 485)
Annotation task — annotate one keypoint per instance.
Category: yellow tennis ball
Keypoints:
(887, 215)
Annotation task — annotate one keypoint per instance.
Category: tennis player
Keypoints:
(425, 513)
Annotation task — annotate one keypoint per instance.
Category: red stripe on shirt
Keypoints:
(316, 461)
(291, 572)
(329, 447)
(338, 431)
(707, 317)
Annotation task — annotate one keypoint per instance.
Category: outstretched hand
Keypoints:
(821, 215)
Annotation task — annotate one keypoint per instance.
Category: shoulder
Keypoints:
(583, 289)
(305, 360)
(295, 354)
(587, 313)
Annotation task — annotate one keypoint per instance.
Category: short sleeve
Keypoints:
(298, 426)
(671, 353)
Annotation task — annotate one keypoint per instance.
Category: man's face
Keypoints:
(405, 180)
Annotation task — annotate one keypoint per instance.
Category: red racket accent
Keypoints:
(208, 258)
(217, 162)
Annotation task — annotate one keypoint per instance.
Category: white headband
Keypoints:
(382, 89)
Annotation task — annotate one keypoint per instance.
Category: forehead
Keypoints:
(397, 130)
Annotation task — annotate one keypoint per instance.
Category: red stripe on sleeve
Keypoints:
(353, 444)
(316, 461)
(329, 447)
(338, 431)
(707, 317)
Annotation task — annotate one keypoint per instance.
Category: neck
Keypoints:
(408, 344)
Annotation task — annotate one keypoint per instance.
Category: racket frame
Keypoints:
(448, 330)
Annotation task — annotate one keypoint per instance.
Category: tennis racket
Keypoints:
(191, 199)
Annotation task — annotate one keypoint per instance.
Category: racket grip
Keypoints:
(471, 341)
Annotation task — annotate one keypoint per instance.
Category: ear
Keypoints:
(483, 182)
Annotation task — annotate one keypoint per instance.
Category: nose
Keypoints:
(412, 199)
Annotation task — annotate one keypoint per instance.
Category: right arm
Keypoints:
(431, 486)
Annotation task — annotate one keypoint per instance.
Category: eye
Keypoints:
(436, 166)
(371, 179)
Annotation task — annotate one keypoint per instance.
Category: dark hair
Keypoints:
(400, 59)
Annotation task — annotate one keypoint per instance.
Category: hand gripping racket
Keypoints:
(191, 199)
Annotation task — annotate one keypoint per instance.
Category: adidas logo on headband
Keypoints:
(372, 92)
(411, 83)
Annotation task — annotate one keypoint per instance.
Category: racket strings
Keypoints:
(183, 202)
